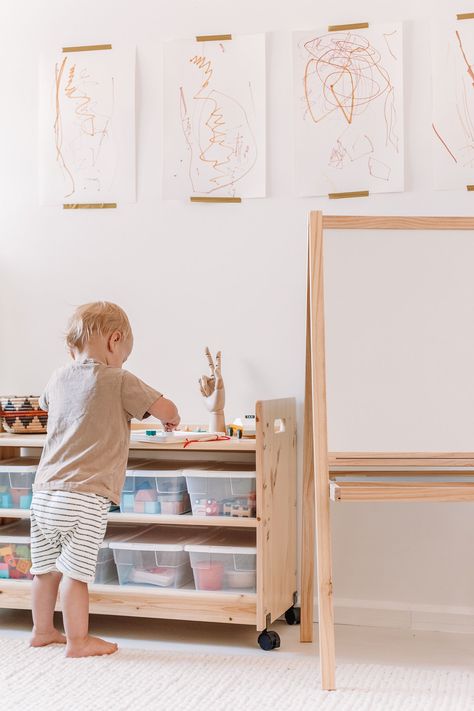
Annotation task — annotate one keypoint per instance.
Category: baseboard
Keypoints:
(409, 616)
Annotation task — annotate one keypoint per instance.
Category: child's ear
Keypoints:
(114, 339)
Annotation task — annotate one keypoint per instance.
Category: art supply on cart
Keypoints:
(157, 436)
(247, 424)
(234, 431)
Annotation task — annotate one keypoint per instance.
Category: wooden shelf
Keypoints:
(140, 601)
(184, 520)
(413, 477)
(402, 472)
(228, 445)
(14, 513)
(371, 490)
(274, 454)
(397, 459)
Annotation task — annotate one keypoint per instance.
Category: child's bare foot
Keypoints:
(44, 638)
(90, 647)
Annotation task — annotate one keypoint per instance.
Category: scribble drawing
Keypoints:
(361, 147)
(460, 148)
(338, 155)
(221, 143)
(342, 154)
(344, 74)
(468, 65)
(465, 152)
(348, 95)
(378, 169)
(84, 107)
(386, 36)
(58, 130)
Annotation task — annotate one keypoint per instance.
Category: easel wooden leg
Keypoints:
(325, 603)
(307, 513)
(320, 444)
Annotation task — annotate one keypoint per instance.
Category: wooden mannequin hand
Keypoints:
(212, 386)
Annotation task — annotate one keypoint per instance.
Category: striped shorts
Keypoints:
(67, 530)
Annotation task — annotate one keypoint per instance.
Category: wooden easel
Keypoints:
(323, 478)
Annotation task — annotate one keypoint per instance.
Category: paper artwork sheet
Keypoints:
(453, 103)
(214, 118)
(348, 100)
(87, 126)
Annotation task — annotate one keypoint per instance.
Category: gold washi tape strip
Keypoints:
(88, 205)
(465, 16)
(88, 48)
(355, 193)
(215, 199)
(213, 38)
(470, 188)
(353, 26)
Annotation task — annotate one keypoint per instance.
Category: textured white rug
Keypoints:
(137, 680)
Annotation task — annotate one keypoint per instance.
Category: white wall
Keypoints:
(233, 276)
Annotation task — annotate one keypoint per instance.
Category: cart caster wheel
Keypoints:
(293, 616)
(269, 640)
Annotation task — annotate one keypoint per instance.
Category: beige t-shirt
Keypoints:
(90, 406)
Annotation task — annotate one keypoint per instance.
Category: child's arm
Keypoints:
(140, 401)
(166, 411)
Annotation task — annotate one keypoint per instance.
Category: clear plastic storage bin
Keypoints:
(226, 561)
(222, 490)
(155, 487)
(16, 482)
(156, 557)
(15, 551)
(106, 570)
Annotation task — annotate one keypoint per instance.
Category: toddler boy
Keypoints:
(90, 403)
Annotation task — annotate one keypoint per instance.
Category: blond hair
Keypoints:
(97, 318)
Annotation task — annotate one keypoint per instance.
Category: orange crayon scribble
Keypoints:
(82, 108)
(469, 66)
(84, 137)
(58, 134)
(187, 128)
(215, 123)
(349, 71)
(345, 74)
(444, 143)
(221, 144)
(389, 34)
(206, 66)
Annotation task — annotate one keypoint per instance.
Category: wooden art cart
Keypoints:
(274, 454)
(356, 476)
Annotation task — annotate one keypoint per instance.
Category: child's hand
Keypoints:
(172, 424)
(166, 411)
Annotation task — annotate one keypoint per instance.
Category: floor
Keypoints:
(353, 644)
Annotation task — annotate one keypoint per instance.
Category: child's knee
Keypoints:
(51, 575)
